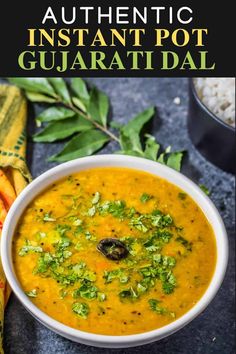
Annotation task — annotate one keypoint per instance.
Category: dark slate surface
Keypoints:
(213, 330)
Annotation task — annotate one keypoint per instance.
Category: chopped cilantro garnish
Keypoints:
(92, 211)
(137, 222)
(155, 306)
(101, 296)
(29, 248)
(131, 244)
(161, 269)
(119, 274)
(81, 309)
(48, 217)
(128, 293)
(116, 208)
(86, 291)
(159, 219)
(157, 240)
(145, 197)
(78, 246)
(40, 235)
(143, 268)
(63, 293)
(168, 288)
(184, 242)
(182, 195)
(32, 293)
(43, 263)
(141, 288)
(77, 222)
(96, 198)
(62, 229)
(168, 282)
(79, 230)
(90, 236)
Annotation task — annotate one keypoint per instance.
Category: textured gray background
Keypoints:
(213, 330)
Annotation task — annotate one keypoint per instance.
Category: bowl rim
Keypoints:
(206, 109)
(136, 163)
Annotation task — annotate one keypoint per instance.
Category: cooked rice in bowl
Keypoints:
(218, 95)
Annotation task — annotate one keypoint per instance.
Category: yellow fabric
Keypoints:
(14, 174)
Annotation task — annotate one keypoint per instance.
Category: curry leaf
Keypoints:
(81, 145)
(151, 148)
(130, 153)
(116, 125)
(98, 106)
(62, 129)
(79, 87)
(34, 84)
(60, 87)
(174, 160)
(130, 133)
(88, 109)
(79, 104)
(39, 97)
(55, 113)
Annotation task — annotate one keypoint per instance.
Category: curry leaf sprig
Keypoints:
(77, 112)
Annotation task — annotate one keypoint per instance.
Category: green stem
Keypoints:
(89, 118)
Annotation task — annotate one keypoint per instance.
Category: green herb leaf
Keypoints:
(96, 198)
(86, 291)
(145, 197)
(79, 87)
(155, 306)
(62, 229)
(138, 223)
(92, 211)
(184, 242)
(174, 160)
(62, 129)
(32, 293)
(95, 106)
(34, 84)
(54, 114)
(81, 145)
(182, 195)
(116, 208)
(98, 106)
(119, 274)
(116, 125)
(79, 104)
(90, 236)
(48, 217)
(151, 148)
(60, 88)
(101, 296)
(205, 189)
(128, 294)
(81, 309)
(130, 133)
(39, 97)
(29, 248)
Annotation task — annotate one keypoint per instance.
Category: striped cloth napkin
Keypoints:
(14, 174)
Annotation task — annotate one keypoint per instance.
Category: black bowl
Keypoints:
(214, 139)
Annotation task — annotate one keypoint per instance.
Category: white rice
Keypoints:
(218, 95)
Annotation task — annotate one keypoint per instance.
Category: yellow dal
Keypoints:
(193, 270)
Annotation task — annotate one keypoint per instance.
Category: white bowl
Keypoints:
(46, 179)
